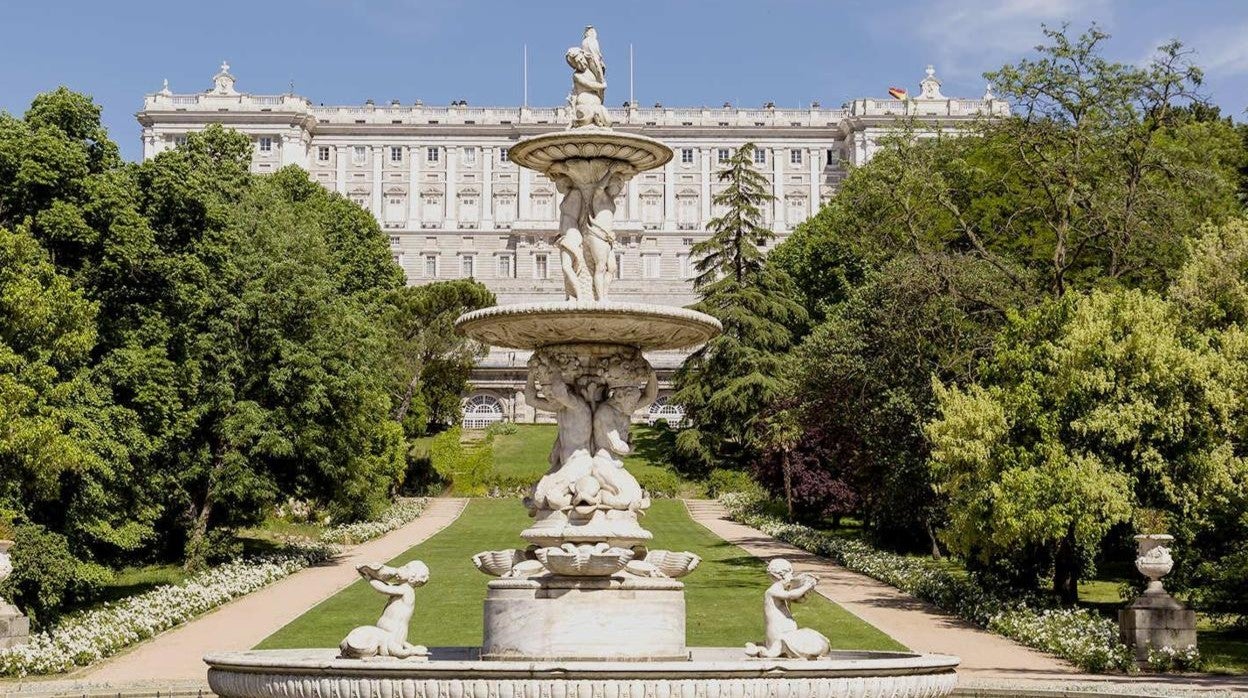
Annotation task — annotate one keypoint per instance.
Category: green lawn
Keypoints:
(724, 595)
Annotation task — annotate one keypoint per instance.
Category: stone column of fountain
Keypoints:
(587, 587)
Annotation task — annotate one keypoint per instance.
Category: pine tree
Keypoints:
(725, 384)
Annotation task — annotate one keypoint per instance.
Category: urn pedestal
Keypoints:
(1155, 619)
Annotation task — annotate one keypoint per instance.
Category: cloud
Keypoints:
(1224, 50)
(967, 37)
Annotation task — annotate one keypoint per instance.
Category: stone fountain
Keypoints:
(588, 608)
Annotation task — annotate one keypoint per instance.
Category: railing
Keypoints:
(705, 117)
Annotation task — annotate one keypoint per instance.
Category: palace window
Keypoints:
(396, 154)
(760, 156)
(179, 141)
(468, 266)
(480, 411)
(359, 154)
(397, 257)
(831, 157)
(266, 145)
(686, 155)
(322, 153)
(722, 155)
(540, 266)
(431, 266)
(395, 210)
(686, 242)
(506, 270)
(470, 156)
(795, 157)
(619, 265)
(432, 154)
(395, 240)
(502, 155)
(650, 266)
(686, 269)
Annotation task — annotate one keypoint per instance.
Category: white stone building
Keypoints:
(439, 183)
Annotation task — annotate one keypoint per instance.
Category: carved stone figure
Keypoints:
(388, 638)
(571, 459)
(600, 227)
(784, 638)
(588, 90)
(577, 282)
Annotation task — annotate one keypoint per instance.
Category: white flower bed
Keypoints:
(90, 636)
(399, 513)
(1078, 635)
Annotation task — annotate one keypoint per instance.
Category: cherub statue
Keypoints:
(588, 90)
(599, 231)
(389, 637)
(784, 638)
(576, 277)
(612, 418)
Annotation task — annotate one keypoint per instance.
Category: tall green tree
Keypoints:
(723, 385)
(429, 362)
(1089, 407)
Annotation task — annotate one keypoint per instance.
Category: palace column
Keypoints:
(487, 187)
(340, 169)
(634, 202)
(413, 187)
(378, 153)
(706, 186)
(669, 195)
(814, 181)
(452, 188)
(777, 188)
(526, 198)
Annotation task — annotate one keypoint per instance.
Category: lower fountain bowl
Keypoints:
(458, 672)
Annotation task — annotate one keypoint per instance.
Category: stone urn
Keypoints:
(1153, 559)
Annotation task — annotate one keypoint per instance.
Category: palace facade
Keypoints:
(438, 180)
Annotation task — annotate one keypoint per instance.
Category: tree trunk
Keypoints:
(788, 485)
(406, 403)
(931, 536)
(1066, 570)
(196, 553)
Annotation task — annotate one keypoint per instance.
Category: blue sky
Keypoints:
(686, 52)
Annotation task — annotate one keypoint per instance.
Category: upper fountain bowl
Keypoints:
(534, 325)
(540, 152)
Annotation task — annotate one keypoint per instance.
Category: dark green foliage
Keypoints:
(47, 576)
(722, 384)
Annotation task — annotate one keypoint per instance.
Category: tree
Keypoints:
(1088, 407)
(725, 383)
(430, 364)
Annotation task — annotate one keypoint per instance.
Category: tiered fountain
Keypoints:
(588, 609)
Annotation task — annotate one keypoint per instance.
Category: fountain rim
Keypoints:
(704, 662)
(645, 326)
(541, 151)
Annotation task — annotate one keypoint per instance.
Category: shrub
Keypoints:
(1078, 635)
(659, 484)
(501, 429)
(1167, 659)
(399, 513)
(722, 481)
(47, 577)
(84, 638)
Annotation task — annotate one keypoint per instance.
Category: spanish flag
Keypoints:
(898, 93)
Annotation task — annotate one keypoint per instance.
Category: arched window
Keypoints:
(669, 412)
(480, 411)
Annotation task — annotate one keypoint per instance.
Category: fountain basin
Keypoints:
(456, 672)
(534, 325)
(540, 152)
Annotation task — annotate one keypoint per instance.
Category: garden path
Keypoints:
(241, 624)
(990, 662)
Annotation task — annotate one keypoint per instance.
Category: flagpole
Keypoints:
(526, 75)
(631, 103)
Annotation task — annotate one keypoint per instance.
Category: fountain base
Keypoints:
(457, 672)
(585, 618)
